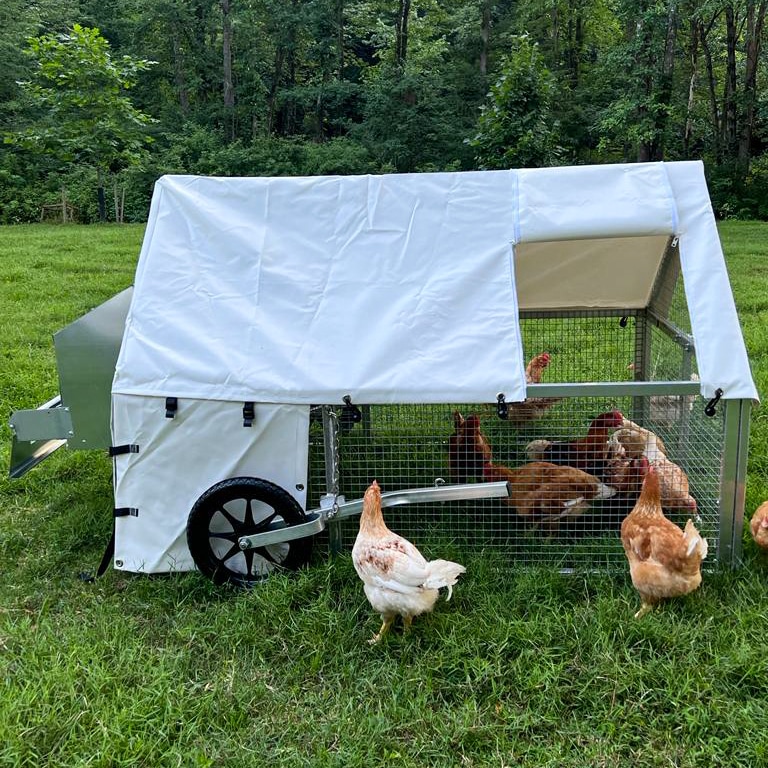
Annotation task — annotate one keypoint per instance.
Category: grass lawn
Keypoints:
(521, 668)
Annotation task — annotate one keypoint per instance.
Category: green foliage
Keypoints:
(589, 81)
(18, 203)
(735, 196)
(197, 150)
(405, 127)
(83, 114)
(516, 128)
(754, 203)
(640, 119)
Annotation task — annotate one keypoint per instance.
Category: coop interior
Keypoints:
(573, 524)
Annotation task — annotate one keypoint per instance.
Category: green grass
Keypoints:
(521, 668)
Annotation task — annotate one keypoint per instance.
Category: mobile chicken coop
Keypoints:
(288, 340)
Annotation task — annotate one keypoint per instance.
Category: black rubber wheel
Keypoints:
(241, 506)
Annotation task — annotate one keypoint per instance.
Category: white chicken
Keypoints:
(633, 441)
(668, 410)
(397, 580)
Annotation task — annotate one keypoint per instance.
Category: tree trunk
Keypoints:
(577, 48)
(688, 132)
(101, 197)
(118, 191)
(401, 33)
(717, 119)
(340, 37)
(666, 79)
(319, 112)
(729, 95)
(485, 36)
(277, 72)
(289, 112)
(178, 75)
(554, 32)
(226, 44)
(753, 36)
(645, 52)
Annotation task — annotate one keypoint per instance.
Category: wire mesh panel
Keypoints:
(577, 527)
(568, 516)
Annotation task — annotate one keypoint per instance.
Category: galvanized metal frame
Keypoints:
(37, 433)
(727, 493)
(722, 498)
(733, 479)
(279, 532)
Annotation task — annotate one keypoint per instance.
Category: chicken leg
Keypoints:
(644, 608)
(385, 627)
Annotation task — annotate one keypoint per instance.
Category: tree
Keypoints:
(226, 50)
(755, 20)
(517, 128)
(84, 115)
(639, 72)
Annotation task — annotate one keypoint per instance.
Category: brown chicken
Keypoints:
(758, 526)
(532, 407)
(468, 450)
(635, 442)
(590, 453)
(547, 493)
(625, 475)
(540, 491)
(397, 580)
(664, 561)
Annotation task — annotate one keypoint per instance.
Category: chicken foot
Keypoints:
(385, 627)
(645, 608)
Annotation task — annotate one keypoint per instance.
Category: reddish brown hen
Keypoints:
(532, 407)
(540, 491)
(664, 561)
(758, 526)
(589, 453)
(468, 450)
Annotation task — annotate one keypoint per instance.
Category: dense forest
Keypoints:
(100, 97)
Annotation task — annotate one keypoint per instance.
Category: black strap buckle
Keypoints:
(248, 414)
(126, 512)
(171, 406)
(120, 450)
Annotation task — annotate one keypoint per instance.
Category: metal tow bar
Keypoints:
(279, 532)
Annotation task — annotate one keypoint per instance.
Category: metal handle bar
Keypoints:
(279, 532)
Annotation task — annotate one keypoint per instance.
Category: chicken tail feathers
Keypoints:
(695, 542)
(443, 573)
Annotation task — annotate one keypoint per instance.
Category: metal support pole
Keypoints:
(733, 480)
(640, 405)
(331, 453)
(684, 412)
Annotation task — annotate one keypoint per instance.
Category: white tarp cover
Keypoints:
(401, 288)
(390, 289)
(721, 356)
(180, 458)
